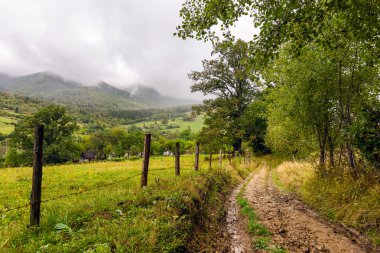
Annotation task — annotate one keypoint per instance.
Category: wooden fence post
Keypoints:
(196, 164)
(35, 198)
(210, 160)
(220, 158)
(177, 156)
(145, 163)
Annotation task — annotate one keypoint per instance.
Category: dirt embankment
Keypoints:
(294, 226)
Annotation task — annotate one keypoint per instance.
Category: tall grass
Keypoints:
(354, 202)
(119, 218)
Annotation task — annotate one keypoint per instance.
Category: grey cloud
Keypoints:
(122, 42)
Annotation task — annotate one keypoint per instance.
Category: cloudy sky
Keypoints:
(122, 42)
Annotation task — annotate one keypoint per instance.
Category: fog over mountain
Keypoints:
(119, 42)
(99, 97)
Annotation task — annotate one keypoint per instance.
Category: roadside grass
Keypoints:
(339, 197)
(118, 218)
(261, 235)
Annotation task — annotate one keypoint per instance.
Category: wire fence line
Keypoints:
(6, 210)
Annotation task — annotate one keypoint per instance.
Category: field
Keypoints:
(102, 207)
(6, 125)
(178, 124)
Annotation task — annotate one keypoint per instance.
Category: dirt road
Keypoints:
(294, 226)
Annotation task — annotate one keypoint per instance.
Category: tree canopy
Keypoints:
(231, 78)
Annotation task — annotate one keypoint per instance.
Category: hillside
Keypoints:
(173, 125)
(14, 108)
(101, 97)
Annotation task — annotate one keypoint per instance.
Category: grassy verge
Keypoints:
(262, 236)
(172, 214)
(338, 197)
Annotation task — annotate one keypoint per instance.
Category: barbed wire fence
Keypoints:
(7, 210)
(35, 199)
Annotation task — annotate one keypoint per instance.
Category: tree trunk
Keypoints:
(322, 156)
(331, 147)
(237, 146)
(351, 158)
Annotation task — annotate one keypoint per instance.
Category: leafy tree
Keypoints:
(186, 135)
(255, 124)
(282, 21)
(116, 141)
(165, 120)
(13, 158)
(319, 95)
(232, 80)
(60, 144)
(367, 133)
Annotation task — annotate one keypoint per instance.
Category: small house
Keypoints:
(88, 156)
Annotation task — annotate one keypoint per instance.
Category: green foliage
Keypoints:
(231, 78)
(317, 98)
(367, 134)
(13, 158)
(255, 125)
(63, 229)
(116, 142)
(60, 144)
(298, 21)
(262, 243)
(161, 218)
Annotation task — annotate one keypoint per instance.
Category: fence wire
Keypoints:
(6, 210)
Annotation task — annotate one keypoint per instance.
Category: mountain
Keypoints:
(103, 96)
(148, 95)
(4, 80)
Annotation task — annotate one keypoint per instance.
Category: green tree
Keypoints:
(254, 123)
(60, 144)
(13, 158)
(282, 21)
(319, 95)
(231, 78)
(165, 120)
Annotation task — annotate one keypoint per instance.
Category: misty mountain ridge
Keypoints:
(103, 96)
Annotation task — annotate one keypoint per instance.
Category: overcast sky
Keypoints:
(122, 42)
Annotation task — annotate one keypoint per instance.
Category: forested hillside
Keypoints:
(98, 98)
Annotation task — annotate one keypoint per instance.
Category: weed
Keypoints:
(262, 243)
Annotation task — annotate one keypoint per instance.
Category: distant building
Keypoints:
(88, 156)
(167, 153)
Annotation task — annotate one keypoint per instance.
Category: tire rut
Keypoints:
(294, 226)
(240, 240)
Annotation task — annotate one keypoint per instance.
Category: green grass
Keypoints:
(195, 125)
(117, 218)
(6, 125)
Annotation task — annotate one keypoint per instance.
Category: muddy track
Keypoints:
(294, 226)
(240, 240)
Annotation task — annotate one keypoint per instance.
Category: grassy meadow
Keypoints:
(119, 217)
(176, 124)
(6, 125)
